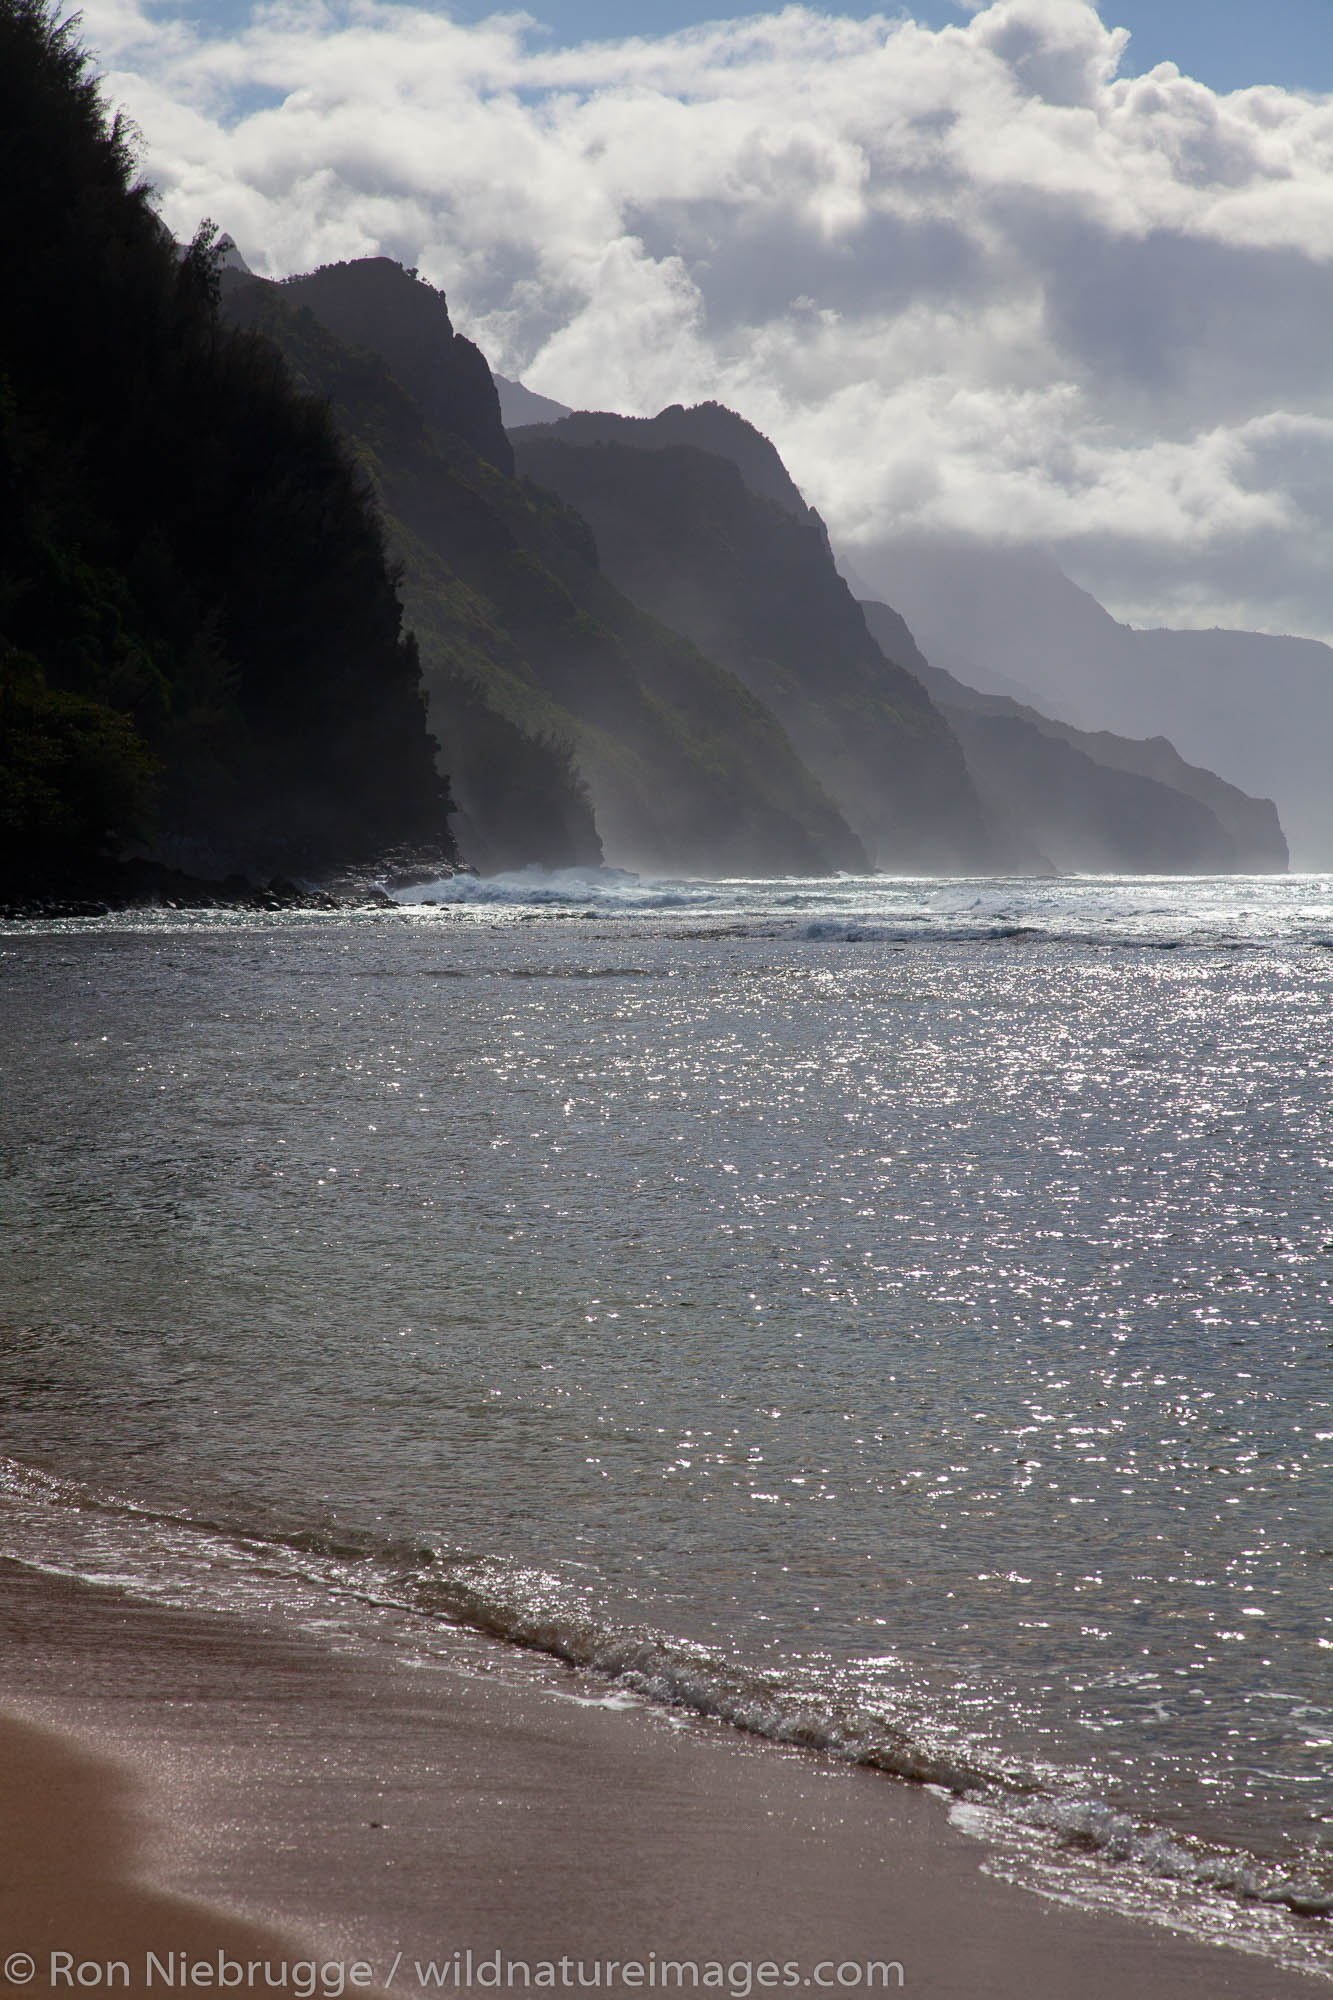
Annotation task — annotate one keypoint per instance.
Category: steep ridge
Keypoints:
(521, 405)
(1093, 800)
(373, 302)
(750, 578)
(706, 426)
(1083, 817)
(524, 641)
(1255, 707)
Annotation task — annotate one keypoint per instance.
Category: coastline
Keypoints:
(105, 887)
(176, 1782)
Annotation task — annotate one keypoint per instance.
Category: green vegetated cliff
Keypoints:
(374, 303)
(697, 520)
(634, 636)
(201, 647)
(544, 677)
(1090, 800)
(517, 794)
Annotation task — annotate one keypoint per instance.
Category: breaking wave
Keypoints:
(1159, 913)
(418, 1599)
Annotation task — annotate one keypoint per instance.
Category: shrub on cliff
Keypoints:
(183, 537)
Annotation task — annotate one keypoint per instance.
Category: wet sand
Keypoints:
(175, 1783)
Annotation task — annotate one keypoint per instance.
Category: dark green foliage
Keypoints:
(752, 581)
(182, 538)
(75, 779)
(518, 797)
(526, 641)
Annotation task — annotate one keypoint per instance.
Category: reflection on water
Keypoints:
(920, 1347)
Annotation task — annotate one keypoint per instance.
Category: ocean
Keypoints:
(889, 1316)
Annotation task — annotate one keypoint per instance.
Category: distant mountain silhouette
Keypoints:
(1256, 709)
(542, 676)
(521, 405)
(1088, 800)
(719, 543)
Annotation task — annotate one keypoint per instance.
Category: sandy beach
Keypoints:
(176, 1784)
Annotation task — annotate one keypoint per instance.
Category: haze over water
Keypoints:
(890, 1315)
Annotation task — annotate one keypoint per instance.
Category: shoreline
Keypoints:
(172, 1781)
(105, 888)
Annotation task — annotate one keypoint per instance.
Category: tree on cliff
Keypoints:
(187, 553)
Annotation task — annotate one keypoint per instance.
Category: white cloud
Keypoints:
(969, 280)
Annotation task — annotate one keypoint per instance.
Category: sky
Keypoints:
(1003, 272)
(1226, 44)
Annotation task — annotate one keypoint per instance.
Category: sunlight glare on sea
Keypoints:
(894, 1316)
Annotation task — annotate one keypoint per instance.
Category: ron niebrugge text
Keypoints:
(460, 1971)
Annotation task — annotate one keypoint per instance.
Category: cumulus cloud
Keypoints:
(972, 281)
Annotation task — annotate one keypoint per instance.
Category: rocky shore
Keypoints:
(108, 886)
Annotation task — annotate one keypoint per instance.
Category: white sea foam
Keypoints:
(536, 888)
(418, 1601)
(1215, 912)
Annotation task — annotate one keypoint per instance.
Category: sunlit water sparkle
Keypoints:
(894, 1316)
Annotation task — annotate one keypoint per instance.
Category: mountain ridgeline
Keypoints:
(251, 531)
(959, 779)
(557, 699)
(376, 304)
(697, 520)
(1256, 707)
(1087, 800)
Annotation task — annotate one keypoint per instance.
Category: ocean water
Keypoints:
(894, 1317)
